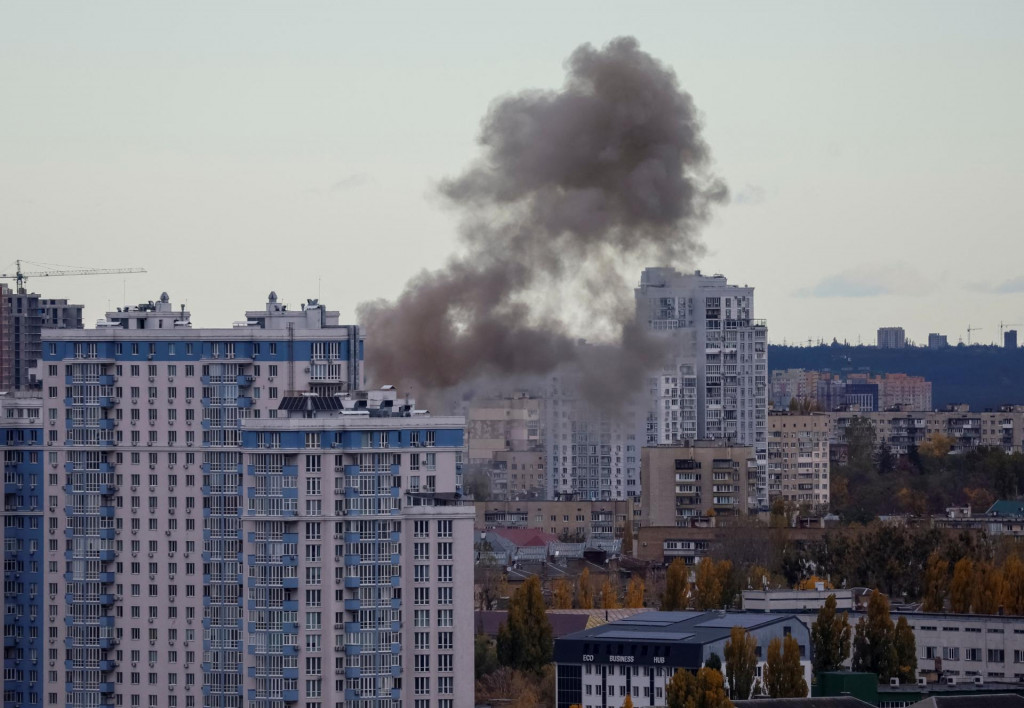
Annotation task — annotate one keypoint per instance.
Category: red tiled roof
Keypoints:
(526, 537)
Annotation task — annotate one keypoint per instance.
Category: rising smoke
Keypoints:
(574, 188)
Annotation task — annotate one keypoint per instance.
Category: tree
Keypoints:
(936, 446)
(830, 638)
(961, 588)
(936, 583)
(1013, 581)
(677, 587)
(873, 647)
(705, 690)
(584, 592)
(635, 592)
(740, 662)
(989, 588)
(906, 651)
(714, 662)
(485, 656)
(561, 595)
(783, 675)
(525, 639)
(609, 595)
(512, 687)
(712, 579)
(885, 460)
(811, 583)
(627, 538)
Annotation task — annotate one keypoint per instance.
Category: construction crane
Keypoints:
(21, 276)
(969, 330)
(1004, 325)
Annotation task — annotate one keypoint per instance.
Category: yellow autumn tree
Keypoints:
(1013, 583)
(936, 583)
(812, 582)
(561, 595)
(989, 588)
(609, 595)
(961, 588)
(584, 592)
(635, 592)
(936, 445)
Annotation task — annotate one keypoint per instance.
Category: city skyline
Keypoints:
(865, 149)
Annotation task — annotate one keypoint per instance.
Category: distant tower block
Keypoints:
(1010, 339)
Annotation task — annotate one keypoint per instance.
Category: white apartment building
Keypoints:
(715, 386)
(212, 543)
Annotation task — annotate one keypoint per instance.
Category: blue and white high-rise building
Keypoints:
(25, 591)
(234, 532)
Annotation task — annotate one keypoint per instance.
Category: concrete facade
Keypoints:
(519, 474)
(892, 338)
(500, 424)
(716, 386)
(684, 481)
(584, 519)
(798, 457)
(219, 552)
(23, 317)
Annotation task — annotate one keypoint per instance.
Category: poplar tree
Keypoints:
(830, 638)
(961, 588)
(584, 593)
(874, 649)
(783, 675)
(936, 583)
(906, 651)
(525, 639)
(677, 587)
(561, 595)
(635, 592)
(740, 662)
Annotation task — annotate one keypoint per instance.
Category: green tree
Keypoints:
(961, 588)
(906, 651)
(584, 592)
(783, 675)
(873, 647)
(740, 662)
(677, 587)
(525, 639)
(830, 638)
(635, 592)
(860, 444)
(486, 658)
(936, 583)
(714, 662)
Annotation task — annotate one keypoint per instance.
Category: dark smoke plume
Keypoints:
(573, 188)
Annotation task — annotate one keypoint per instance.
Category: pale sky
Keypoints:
(874, 150)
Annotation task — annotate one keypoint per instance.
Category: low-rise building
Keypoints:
(637, 656)
(577, 519)
(686, 480)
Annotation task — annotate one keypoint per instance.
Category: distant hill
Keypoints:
(981, 376)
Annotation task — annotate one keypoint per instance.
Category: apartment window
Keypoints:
(972, 654)
(444, 573)
(445, 618)
(421, 596)
(422, 640)
(444, 550)
(444, 596)
(421, 529)
(421, 573)
(996, 656)
(444, 528)
(951, 653)
(421, 551)
(422, 685)
(421, 663)
(445, 640)
(421, 618)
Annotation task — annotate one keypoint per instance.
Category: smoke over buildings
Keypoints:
(574, 190)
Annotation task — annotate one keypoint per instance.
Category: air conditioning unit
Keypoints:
(951, 680)
(922, 681)
(894, 681)
(149, 443)
(188, 400)
(186, 554)
(190, 443)
(167, 532)
(152, 379)
(979, 680)
(171, 379)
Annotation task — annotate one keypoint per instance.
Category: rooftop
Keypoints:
(693, 627)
